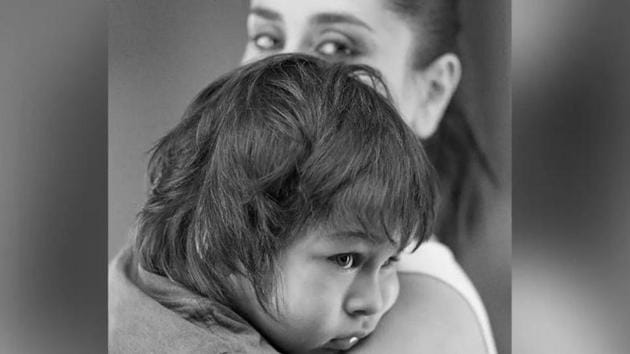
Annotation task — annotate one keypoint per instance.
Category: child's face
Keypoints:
(334, 290)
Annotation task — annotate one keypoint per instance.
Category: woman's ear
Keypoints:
(434, 87)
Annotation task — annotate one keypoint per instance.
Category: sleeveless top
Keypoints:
(436, 260)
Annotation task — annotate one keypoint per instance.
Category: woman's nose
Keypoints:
(297, 44)
(293, 47)
(365, 297)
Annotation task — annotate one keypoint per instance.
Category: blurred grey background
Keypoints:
(571, 235)
(53, 176)
(571, 210)
(162, 53)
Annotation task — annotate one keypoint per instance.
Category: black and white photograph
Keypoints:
(309, 176)
(314, 176)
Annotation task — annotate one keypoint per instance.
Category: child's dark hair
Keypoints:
(265, 153)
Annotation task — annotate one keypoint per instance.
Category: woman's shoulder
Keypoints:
(434, 259)
(438, 310)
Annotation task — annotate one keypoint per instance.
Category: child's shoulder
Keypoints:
(139, 323)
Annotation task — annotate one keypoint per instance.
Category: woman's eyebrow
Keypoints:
(318, 19)
(338, 17)
(266, 13)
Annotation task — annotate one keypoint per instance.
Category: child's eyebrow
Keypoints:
(362, 237)
(358, 239)
(352, 236)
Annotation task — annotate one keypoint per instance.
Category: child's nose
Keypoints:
(365, 297)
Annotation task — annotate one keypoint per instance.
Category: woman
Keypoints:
(413, 44)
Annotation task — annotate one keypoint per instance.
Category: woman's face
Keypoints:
(352, 31)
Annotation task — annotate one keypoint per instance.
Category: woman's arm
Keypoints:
(430, 316)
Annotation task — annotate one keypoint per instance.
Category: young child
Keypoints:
(277, 210)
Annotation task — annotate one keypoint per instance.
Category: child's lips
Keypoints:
(345, 343)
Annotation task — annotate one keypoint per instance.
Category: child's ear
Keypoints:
(434, 87)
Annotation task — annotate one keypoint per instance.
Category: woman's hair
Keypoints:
(453, 149)
(269, 151)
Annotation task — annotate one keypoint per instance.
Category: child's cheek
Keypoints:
(390, 290)
(308, 293)
(311, 311)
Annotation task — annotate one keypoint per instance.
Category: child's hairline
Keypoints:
(359, 232)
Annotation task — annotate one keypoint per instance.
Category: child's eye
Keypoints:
(346, 260)
(391, 261)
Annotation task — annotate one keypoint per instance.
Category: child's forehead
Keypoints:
(348, 237)
(337, 237)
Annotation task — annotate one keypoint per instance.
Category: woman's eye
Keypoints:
(346, 260)
(265, 42)
(334, 49)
